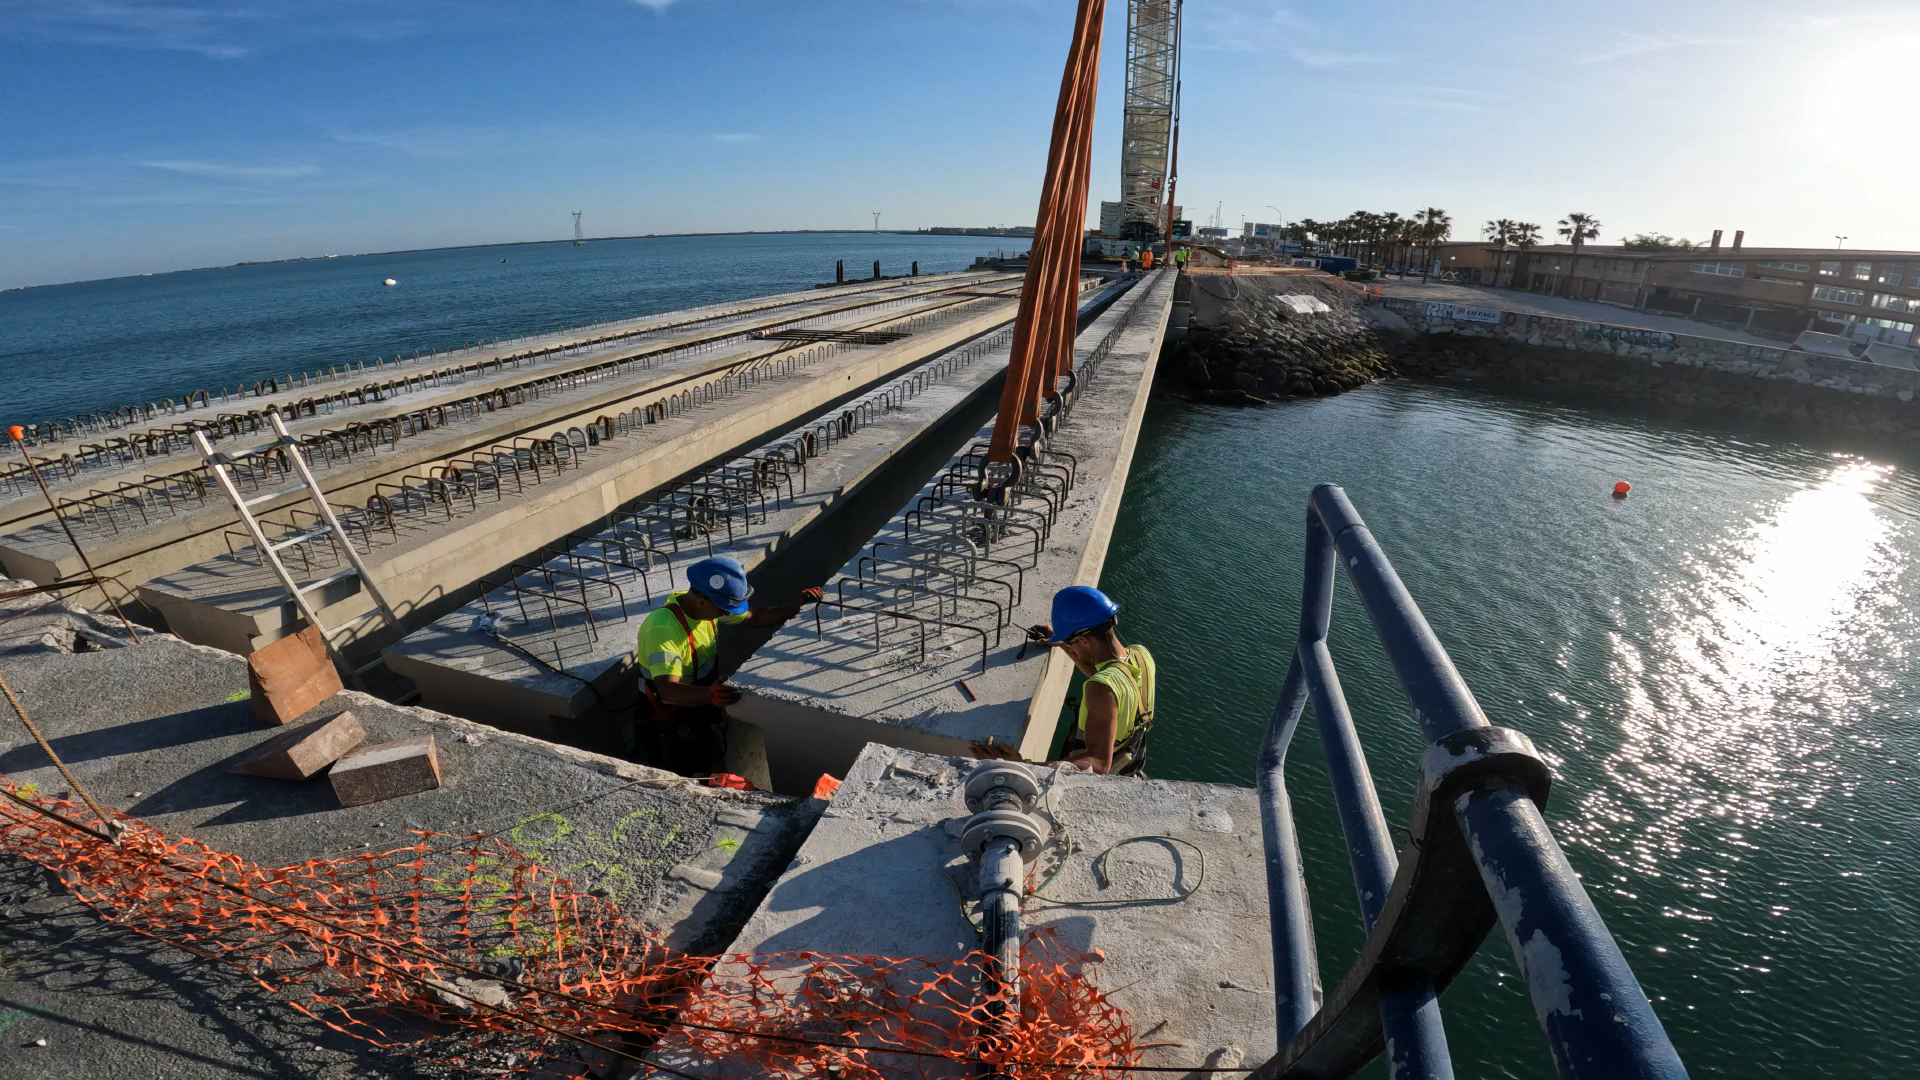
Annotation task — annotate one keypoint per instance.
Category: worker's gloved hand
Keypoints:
(722, 695)
(1039, 632)
(812, 596)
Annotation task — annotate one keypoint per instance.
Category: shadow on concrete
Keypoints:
(140, 736)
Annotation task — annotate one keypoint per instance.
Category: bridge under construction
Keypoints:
(371, 803)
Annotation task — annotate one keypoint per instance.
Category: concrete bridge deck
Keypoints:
(141, 540)
(581, 649)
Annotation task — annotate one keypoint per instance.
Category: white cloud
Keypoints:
(1326, 60)
(736, 137)
(220, 29)
(224, 171)
(1630, 45)
(437, 142)
(655, 5)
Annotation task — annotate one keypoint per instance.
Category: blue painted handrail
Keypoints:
(1479, 852)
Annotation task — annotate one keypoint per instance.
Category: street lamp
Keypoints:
(1279, 221)
(1842, 241)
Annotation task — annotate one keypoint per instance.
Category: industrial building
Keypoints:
(1871, 295)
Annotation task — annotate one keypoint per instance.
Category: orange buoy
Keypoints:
(1620, 489)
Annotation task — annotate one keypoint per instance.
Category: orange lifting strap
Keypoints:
(1044, 330)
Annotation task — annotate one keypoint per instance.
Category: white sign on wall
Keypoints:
(1459, 313)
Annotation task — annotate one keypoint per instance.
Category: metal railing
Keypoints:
(1478, 852)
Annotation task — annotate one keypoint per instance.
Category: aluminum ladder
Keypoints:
(221, 463)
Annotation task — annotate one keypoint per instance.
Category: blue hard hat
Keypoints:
(722, 581)
(1080, 607)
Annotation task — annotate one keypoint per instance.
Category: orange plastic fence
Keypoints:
(472, 938)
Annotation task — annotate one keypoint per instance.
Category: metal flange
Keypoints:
(1012, 775)
(990, 825)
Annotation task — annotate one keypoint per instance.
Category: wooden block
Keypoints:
(299, 753)
(386, 771)
(291, 676)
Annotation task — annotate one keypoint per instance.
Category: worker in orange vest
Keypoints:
(1146, 258)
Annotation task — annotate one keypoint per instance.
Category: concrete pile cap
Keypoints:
(878, 876)
(152, 730)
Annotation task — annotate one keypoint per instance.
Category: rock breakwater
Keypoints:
(1253, 339)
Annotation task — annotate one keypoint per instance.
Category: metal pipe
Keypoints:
(1424, 669)
(1296, 968)
(1596, 1017)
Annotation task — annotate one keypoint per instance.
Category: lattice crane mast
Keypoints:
(1146, 139)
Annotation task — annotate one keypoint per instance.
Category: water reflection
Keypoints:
(1735, 680)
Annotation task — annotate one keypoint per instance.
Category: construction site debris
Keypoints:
(300, 753)
(291, 676)
(387, 771)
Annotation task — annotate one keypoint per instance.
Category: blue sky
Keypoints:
(149, 135)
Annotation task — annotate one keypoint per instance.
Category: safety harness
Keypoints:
(661, 710)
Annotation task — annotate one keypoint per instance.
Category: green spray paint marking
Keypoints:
(240, 695)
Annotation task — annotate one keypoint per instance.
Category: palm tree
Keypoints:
(1525, 234)
(1435, 225)
(1577, 228)
(1500, 231)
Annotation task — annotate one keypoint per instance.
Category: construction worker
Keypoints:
(1180, 256)
(1116, 702)
(682, 726)
(1146, 259)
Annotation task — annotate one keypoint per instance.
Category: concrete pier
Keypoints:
(945, 665)
(175, 520)
(883, 874)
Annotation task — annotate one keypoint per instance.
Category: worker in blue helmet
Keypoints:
(682, 725)
(1116, 703)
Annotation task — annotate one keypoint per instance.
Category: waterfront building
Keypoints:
(1868, 295)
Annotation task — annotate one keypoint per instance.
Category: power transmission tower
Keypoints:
(1146, 137)
(578, 236)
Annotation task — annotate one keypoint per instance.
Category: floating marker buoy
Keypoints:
(390, 281)
(1620, 489)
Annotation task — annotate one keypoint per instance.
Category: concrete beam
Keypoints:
(235, 604)
(455, 374)
(819, 692)
(41, 553)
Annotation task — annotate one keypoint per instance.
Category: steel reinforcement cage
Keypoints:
(1479, 851)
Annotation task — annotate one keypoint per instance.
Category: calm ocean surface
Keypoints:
(69, 349)
(1722, 667)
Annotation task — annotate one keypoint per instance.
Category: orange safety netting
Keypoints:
(466, 951)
